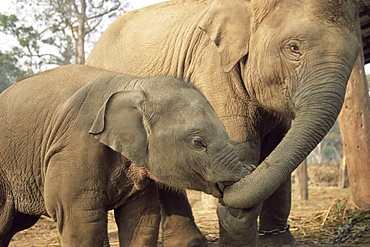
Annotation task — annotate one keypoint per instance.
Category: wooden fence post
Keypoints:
(343, 181)
(301, 182)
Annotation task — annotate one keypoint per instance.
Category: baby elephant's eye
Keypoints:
(199, 143)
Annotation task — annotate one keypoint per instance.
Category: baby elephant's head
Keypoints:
(170, 128)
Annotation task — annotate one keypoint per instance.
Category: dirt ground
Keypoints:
(44, 233)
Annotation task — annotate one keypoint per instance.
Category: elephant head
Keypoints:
(169, 128)
(302, 56)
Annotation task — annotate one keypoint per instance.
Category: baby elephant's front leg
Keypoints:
(138, 221)
(82, 221)
(77, 206)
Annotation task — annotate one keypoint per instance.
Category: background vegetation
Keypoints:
(43, 34)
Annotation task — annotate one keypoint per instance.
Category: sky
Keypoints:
(137, 4)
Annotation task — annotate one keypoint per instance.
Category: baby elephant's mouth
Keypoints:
(218, 188)
(216, 191)
(226, 183)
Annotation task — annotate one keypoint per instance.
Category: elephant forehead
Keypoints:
(339, 12)
(183, 126)
(182, 101)
(196, 112)
(195, 100)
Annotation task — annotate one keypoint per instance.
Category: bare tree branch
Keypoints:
(72, 20)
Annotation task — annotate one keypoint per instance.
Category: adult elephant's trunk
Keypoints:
(317, 105)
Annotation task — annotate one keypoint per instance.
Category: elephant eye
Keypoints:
(199, 143)
(294, 49)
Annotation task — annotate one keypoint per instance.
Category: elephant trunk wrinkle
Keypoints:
(226, 167)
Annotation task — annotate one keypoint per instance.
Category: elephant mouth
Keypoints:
(216, 191)
(218, 188)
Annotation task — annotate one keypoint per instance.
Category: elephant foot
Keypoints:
(277, 238)
(247, 239)
(182, 235)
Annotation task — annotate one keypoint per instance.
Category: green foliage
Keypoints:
(49, 33)
(28, 41)
(9, 72)
(70, 25)
(27, 38)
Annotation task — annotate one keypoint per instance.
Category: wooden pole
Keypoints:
(301, 182)
(354, 122)
(343, 174)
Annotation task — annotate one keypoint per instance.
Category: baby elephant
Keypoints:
(76, 142)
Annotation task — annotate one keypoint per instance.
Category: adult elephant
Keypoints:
(260, 64)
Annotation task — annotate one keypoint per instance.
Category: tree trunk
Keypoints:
(354, 122)
(301, 182)
(343, 174)
(80, 42)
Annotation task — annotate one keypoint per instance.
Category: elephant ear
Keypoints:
(228, 24)
(120, 125)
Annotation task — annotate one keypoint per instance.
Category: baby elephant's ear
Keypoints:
(119, 125)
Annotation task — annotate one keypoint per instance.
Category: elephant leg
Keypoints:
(81, 217)
(20, 222)
(85, 226)
(7, 212)
(276, 208)
(274, 218)
(178, 224)
(75, 198)
(138, 222)
(82, 226)
(238, 227)
(248, 239)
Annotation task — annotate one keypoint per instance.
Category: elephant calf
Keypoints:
(76, 142)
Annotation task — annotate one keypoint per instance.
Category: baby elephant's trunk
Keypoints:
(226, 167)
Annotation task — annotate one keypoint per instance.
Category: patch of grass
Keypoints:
(342, 222)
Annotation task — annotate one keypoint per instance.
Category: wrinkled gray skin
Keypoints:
(68, 138)
(260, 63)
